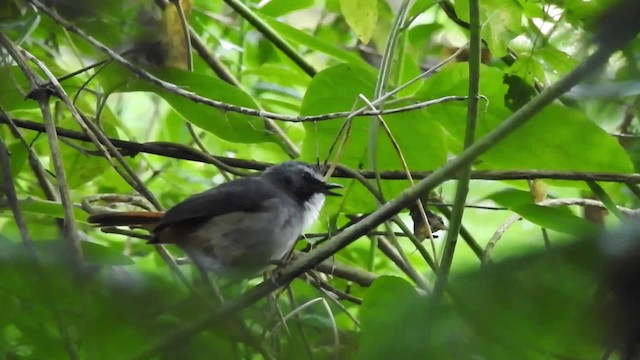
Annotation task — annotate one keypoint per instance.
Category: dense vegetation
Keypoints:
(509, 125)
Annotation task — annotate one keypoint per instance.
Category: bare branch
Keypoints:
(179, 151)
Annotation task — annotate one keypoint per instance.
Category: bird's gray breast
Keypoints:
(250, 240)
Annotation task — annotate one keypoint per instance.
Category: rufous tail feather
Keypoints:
(141, 219)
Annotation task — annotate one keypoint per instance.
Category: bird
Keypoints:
(241, 226)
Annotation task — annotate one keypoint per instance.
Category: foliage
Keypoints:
(264, 79)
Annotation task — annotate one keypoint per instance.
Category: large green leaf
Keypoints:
(557, 138)
(555, 219)
(533, 306)
(419, 137)
(361, 15)
(230, 126)
(388, 300)
(524, 308)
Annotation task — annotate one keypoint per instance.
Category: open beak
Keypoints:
(330, 186)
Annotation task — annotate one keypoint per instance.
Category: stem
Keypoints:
(462, 189)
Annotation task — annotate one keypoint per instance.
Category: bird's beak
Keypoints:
(330, 186)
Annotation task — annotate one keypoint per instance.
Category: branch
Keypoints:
(272, 35)
(70, 232)
(462, 188)
(178, 151)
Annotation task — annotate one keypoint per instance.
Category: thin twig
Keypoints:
(98, 137)
(69, 230)
(599, 192)
(462, 188)
(396, 219)
(37, 168)
(488, 250)
(343, 271)
(332, 293)
(405, 167)
(464, 232)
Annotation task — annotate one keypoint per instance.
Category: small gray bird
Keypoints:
(241, 226)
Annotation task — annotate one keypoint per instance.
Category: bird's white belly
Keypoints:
(252, 238)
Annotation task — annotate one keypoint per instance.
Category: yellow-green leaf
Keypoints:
(361, 15)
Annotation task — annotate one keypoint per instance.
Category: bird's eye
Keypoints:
(307, 175)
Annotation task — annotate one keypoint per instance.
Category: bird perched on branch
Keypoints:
(240, 226)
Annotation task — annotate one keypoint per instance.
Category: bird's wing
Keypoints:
(246, 194)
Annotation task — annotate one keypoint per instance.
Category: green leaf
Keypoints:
(419, 137)
(277, 8)
(528, 307)
(501, 21)
(524, 308)
(13, 88)
(409, 71)
(511, 197)
(387, 301)
(528, 68)
(42, 207)
(462, 9)
(562, 150)
(302, 38)
(230, 126)
(278, 74)
(80, 168)
(556, 60)
(420, 6)
(519, 94)
(555, 219)
(362, 16)
(549, 141)
(19, 157)
(532, 9)
(420, 36)
(104, 255)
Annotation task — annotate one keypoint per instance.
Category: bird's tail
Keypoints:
(138, 219)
